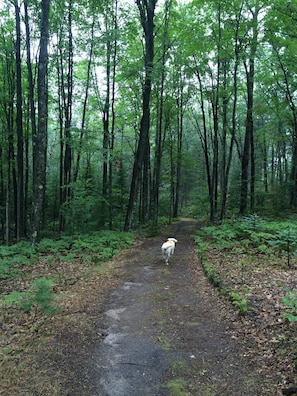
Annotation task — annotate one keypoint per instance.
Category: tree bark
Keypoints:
(20, 216)
(106, 135)
(180, 110)
(237, 51)
(113, 97)
(83, 119)
(40, 138)
(248, 153)
(203, 134)
(32, 108)
(159, 130)
(65, 113)
(147, 11)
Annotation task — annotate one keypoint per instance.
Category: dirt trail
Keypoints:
(166, 331)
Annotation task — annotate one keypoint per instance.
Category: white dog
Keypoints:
(168, 249)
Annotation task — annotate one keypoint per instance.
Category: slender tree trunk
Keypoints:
(40, 138)
(20, 216)
(247, 142)
(172, 175)
(294, 168)
(2, 191)
(147, 11)
(253, 172)
(215, 144)
(180, 110)
(109, 113)
(249, 130)
(204, 140)
(265, 164)
(215, 113)
(224, 176)
(157, 156)
(65, 114)
(83, 119)
(291, 100)
(32, 109)
(11, 181)
(8, 107)
(112, 132)
(158, 138)
(68, 155)
(106, 134)
(237, 50)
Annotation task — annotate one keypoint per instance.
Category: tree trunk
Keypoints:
(205, 146)
(249, 129)
(20, 216)
(224, 168)
(106, 136)
(112, 132)
(83, 118)
(237, 50)
(180, 110)
(158, 137)
(247, 143)
(68, 114)
(32, 109)
(65, 114)
(147, 10)
(253, 172)
(40, 138)
(291, 99)
(8, 150)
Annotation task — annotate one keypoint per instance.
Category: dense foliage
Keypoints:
(115, 113)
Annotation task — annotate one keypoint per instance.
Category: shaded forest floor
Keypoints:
(134, 326)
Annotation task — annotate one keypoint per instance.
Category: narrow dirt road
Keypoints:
(167, 332)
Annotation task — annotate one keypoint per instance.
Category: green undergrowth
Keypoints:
(18, 261)
(250, 232)
(290, 302)
(13, 258)
(241, 246)
(39, 297)
(104, 244)
(97, 246)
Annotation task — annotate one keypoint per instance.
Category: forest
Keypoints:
(123, 123)
(115, 114)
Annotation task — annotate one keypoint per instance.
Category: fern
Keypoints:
(15, 256)
(290, 302)
(239, 302)
(6, 271)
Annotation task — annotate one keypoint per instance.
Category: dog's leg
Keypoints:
(167, 256)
